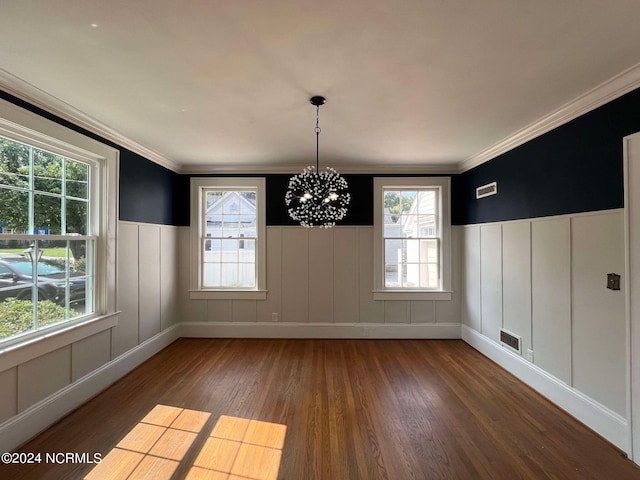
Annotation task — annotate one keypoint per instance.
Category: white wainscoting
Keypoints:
(43, 387)
(320, 284)
(545, 280)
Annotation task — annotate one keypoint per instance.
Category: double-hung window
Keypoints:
(56, 265)
(228, 238)
(412, 238)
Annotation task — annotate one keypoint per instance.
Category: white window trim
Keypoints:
(196, 292)
(379, 290)
(21, 125)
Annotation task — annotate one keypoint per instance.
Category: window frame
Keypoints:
(23, 126)
(382, 184)
(198, 186)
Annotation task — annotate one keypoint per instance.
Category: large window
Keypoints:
(228, 237)
(56, 268)
(412, 238)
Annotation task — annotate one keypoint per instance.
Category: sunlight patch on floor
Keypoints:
(236, 449)
(241, 448)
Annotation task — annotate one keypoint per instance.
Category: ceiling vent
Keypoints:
(510, 340)
(487, 190)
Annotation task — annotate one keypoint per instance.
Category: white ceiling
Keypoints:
(225, 84)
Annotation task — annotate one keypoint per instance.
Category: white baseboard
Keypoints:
(599, 418)
(19, 429)
(320, 330)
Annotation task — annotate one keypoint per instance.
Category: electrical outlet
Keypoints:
(366, 331)
(530, 355)
(274, 317)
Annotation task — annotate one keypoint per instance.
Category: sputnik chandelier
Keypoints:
(317, 198)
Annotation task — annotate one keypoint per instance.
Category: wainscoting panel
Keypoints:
(516, 283)
(8, 393)
(599, 332)
(422, 312)
(553, 282)
(149, 281)
(319, 277)
(43, 376)
(295, 275)
(491, 275)
(472, 315)
(244, 311)
(370, 311)
(273, 303)
(551, 296)
(89, 354)
(125, 335)
(451, 312)
(346, 275)
(168, 276)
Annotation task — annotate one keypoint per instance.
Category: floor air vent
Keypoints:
(510, 340)
(487, 190)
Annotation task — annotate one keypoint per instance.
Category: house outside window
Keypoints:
(228, 238)
(412, 238)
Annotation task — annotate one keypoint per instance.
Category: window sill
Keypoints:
(18, 353)
(411, 295)
(228, 294)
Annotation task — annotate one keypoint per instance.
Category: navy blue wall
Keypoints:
(149, 192)
(576, 167)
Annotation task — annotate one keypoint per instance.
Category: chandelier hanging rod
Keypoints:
(317, 101)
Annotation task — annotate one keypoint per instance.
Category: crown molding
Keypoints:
(371, 169)
(29, 93)
(607, 91)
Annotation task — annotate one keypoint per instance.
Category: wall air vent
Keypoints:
(510, 340)
(487, 190)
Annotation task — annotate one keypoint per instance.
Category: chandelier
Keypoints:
(317, 198)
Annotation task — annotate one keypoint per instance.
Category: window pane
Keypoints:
(392, 206)
(229, 251)
(77, 179)
(14, 211)
(229, 274)
(76, 216)
(211, 275)
(248, 206)
(248, 249)
(391, 278)
(408, 200)
(411, 251)
(47, 172)
(247, 275)
(47, 215)
(426, 202)
(14, 164)
(393, 251)
(231, 227)
(429, 275)
(79, 296)
(429, 251)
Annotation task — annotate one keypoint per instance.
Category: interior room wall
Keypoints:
(50, 382)
(320, 284)
(536, 257)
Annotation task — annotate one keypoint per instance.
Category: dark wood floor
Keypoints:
(366, 409)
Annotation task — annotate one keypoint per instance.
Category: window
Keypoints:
(228, 238)
(57, 227)
(412, 237)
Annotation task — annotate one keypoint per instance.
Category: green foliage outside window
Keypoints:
(16, 316)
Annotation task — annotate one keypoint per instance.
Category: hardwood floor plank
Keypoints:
(326, 410)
